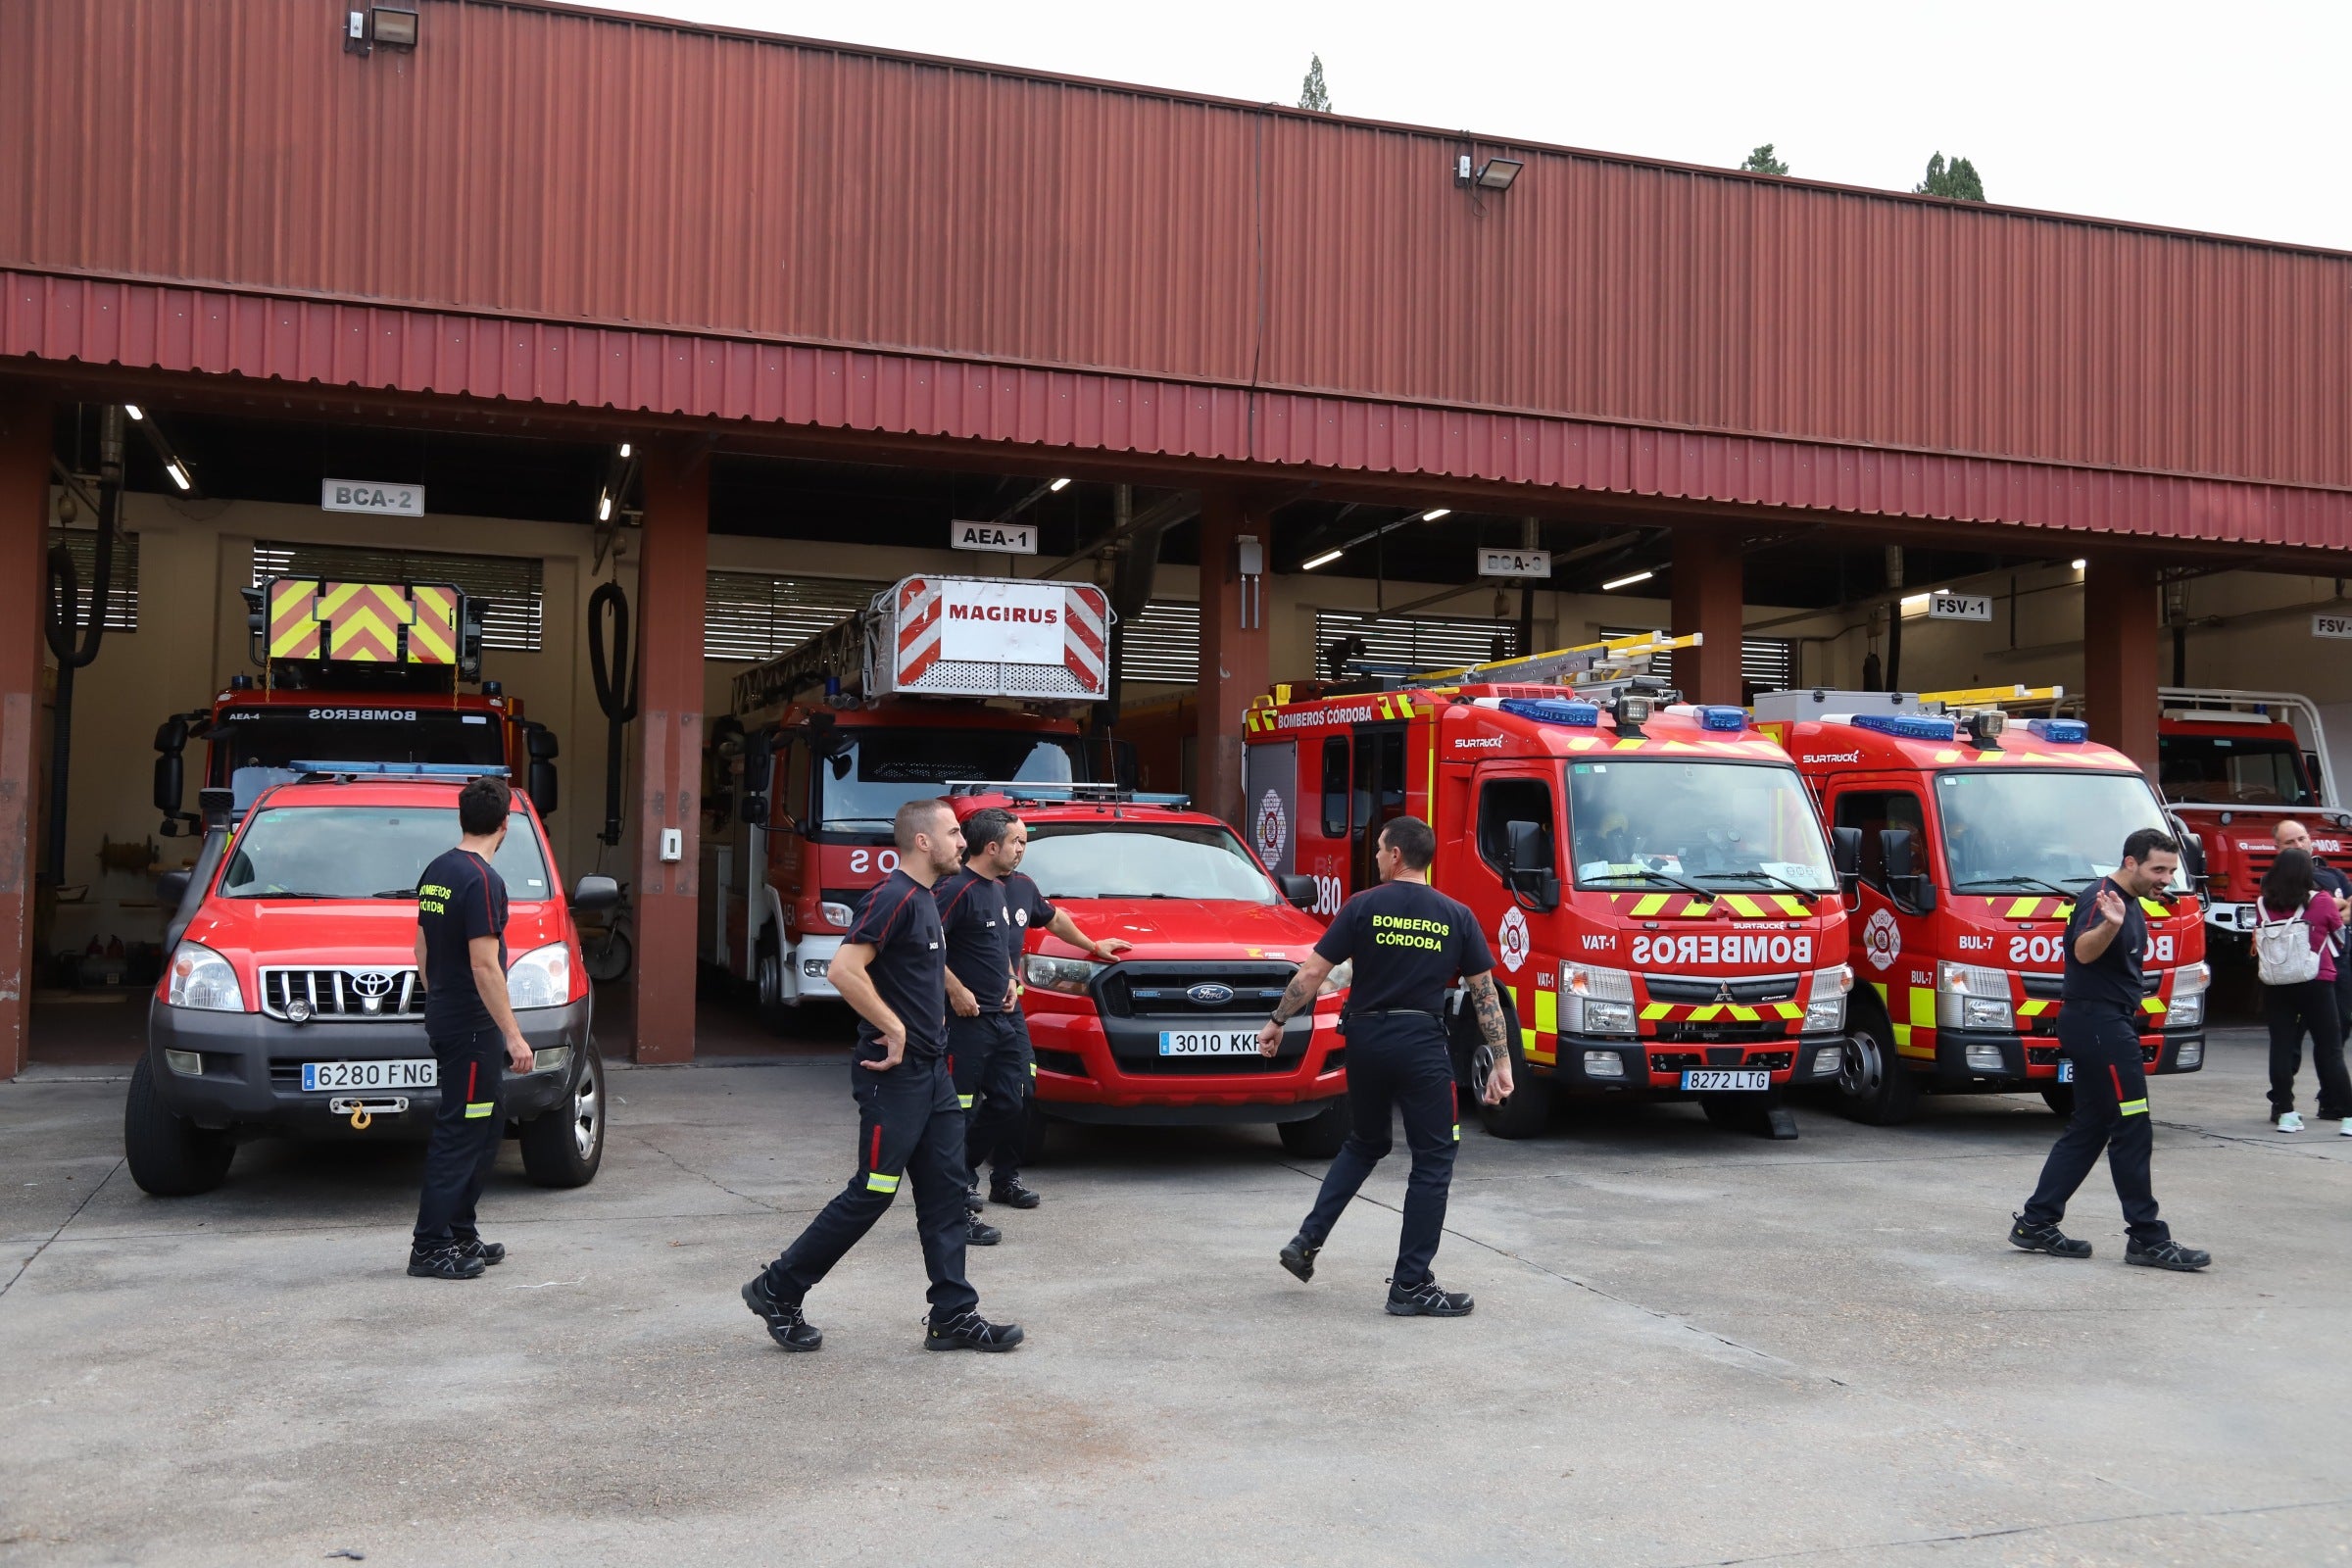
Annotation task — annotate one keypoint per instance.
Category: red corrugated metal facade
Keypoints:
(1019, 254)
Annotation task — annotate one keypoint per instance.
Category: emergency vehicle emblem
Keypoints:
(1511, 940)
(1273, 827)
(1882, 939)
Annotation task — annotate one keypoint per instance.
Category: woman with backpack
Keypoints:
(2295, 923)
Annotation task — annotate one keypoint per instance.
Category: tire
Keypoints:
(610, 959)
(767, 979)
(1319, 1136)
(2060, 1097)
(563, 1146)
(1874, 1086)
(1526, 1113)
(169, 1157)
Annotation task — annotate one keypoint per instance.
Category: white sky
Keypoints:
(2224, 117)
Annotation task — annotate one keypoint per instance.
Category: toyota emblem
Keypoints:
(1209, 995)
(373, 983)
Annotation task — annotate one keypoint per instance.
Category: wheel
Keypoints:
(1527, 1113)
(169, 1157)
(565, 1144)
(767, 975)
(609, 960)
(1319, 1136)
(2060, 1097)
(1873, 1085)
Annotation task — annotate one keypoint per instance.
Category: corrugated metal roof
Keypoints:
(565, 172)
(213, 332)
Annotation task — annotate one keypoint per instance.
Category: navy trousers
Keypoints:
(1398, 1064)
(2111, 1114)
(464, 1143)
(995, 1075)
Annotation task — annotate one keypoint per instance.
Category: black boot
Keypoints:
(1299, 1255)
(491, 1254)
(1009, 1190)
(785, 1325)
(978, 1231)
(444, 1262)
(2166, 1254)
(1425, 1300)
(2045, 1239)
(969, 1331)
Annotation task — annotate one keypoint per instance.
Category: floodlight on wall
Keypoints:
(1323, 559)
(1628, 583)
(1496, 174)
(379, 27)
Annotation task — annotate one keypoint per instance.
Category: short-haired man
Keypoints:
(1407, 942)
(890, 969)
(2098, 1033)
(461, 959)
(2290, 834)
(986, 910)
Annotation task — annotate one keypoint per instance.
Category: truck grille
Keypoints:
(1699, 988)
(1207, 1066)
(1719, 1056)
(1193, 990)
(2052, 987)
(1675, 1034)
(353, 995)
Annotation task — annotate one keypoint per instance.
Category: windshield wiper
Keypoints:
(395, 893)
(282, 893)
(1799, 889)
(1659, 878)
(1979, 884)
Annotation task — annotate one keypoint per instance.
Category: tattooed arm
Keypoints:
(1493, 1026)
(1297, 997)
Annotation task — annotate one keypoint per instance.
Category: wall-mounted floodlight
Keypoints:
(1496, 174)
(379, 27)
(1323, 559)
(1628, 583)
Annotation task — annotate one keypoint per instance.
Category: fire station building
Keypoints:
(533, 298)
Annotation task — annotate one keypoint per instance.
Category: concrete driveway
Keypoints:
(1690, 1346)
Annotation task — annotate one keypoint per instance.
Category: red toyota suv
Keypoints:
(291, 1002)
(1166, 1034)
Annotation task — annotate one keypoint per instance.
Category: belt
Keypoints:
(1393, 1012)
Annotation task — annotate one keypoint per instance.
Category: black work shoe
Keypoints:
(2166, 1254)
(969, 1331)
(971, 1198)
(1299, 1256)
(492, 1253)
(1425, 1300)
(444, 1262)
(785, 1325)
(1012, 1195)
(2045, 1239)
(977, 1232)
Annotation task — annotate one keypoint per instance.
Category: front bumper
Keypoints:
(2236, 918)
(1655, 1069)
(806, 963)
(1086, 1073)
(252, 1078)
(2031, 1060)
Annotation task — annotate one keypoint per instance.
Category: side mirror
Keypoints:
(1904, 880)
(170, 888)
(543, 785)
(1845, 857)
(2192, 857)
(752, 810)
(171, 782)
(594, 893)
(758, 749)
(1299, 890)
(1532, 878)
(539, 741)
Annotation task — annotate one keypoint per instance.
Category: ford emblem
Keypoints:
(1210, 994)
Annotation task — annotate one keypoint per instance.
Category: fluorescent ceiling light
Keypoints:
(604, 507)
(1912, 601)
(135, 410)
(179, 475)
(2079, 564)
(1058, 484)
(1323, 559)
(624, 449)
(1435, 513)
(1628, 583)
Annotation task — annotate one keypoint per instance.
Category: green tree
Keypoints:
(1762, 162)
(1312, 94)
(1956, 180)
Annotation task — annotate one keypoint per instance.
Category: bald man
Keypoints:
(2290, 834)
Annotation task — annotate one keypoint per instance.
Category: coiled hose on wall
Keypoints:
(609, 651)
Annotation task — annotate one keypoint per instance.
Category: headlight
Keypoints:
(1596, 1000)
(2188, 1007)
(837, 916)
(201, 978)
(1970, 996)
(1825, 1003)
(1069, 976)
(551, 1059)
(540, 979)
(1341, 976)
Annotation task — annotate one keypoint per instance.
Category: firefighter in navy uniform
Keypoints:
(985, 1040)
(891, 969)
(1407, 943)
(2098, 1033)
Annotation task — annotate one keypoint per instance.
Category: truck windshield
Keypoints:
(365, 852)
(1083, 861)
(2029, 833)
(875, 772)
(2232, 771)
(1716, 825)
(328, 733)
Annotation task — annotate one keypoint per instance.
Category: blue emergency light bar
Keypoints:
(1553, 711)
(459, 770)
(1720, 716)
(1908, 726)
(2060, 731)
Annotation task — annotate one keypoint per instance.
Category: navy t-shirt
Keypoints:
(2113, 983)
(1409, 942)
(973, 919)
(459, 898)
(901, 923)
(1028, 907)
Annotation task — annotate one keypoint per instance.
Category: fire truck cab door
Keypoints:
(1378, 795)
(1270, 791)
(1895, 944)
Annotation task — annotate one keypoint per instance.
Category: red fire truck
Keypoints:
(940, 679)
(1977, 833)
(1663, 908)
(359, 671)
